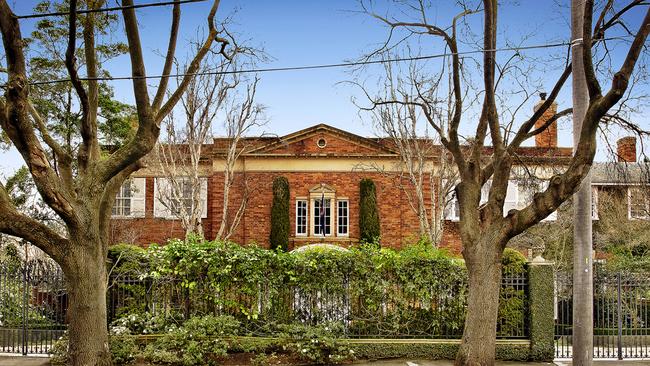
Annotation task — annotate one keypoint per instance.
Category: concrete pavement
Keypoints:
(44, 361)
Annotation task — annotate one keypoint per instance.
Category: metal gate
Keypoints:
(621, 315)
(33, 304)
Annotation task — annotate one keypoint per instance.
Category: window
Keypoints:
(526, 192)
(342, 217)
(301, 217)
(327, 214)
(129, 200)
(122, 205)
(171, 201)
(181, 201)
(638, 207)
(594, 203)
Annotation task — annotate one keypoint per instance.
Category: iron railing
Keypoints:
(621, 315)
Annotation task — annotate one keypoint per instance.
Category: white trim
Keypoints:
(312, 221)
(646, 216)
(347, 217)
(306, 201)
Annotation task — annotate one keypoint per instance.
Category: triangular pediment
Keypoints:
(322, 188)
(323, 139)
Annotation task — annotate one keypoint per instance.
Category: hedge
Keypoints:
(369, 229)
(279, 237)
(416, 292)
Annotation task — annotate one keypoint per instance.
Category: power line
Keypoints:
(316, 67)
(307, 67)
(115, 8)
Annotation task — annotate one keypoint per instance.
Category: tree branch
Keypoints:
(14, 120)
(16, 224)
(169, 58)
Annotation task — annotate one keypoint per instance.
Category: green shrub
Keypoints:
(513, 261)
(279, 238)
(123, 347)
(512, 299)
(369, 229)
(199, 341)
(318, 344)
(127, 258)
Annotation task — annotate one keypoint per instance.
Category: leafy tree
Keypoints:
(280, 214)
(485, 229)
(75, 179)
(369, 230)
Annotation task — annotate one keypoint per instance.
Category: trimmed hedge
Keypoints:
(368, 212)
(279, 237)
(542, 331)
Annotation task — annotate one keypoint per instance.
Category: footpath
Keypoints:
(44, 361)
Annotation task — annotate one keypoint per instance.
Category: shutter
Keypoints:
(485, 192)
(138, 193)
(510, 201)
(161, 194)
(451, 204)
(204, 197)
(553, 215)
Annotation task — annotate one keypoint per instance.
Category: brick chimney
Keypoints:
(547, 138)
(626, 149)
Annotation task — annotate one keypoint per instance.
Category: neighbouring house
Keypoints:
(323, 161)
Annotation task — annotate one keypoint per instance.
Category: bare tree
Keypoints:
(423, 172)
(241, 117)
(81, 190)
(215, 94)
(484, 227)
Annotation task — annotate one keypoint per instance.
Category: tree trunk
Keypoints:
(85, 270)
(479, 336)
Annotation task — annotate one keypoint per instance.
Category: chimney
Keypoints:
(626, 149)
(547, 138)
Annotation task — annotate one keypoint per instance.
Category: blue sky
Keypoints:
(319, 32)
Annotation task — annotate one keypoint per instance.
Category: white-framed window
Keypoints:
(342, 217)
(301, 216)
(122, 205)
(170, 203)
(325, 216)
(129, 200)
(638, 205)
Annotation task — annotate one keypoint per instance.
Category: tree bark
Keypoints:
(86, 278)
(478, 344)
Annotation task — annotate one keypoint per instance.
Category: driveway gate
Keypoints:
(33, 304)
(621, 315)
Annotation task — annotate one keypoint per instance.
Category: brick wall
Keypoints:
(548, 137)
(399, 223)
(626, 149)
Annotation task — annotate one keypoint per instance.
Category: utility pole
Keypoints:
(583, 326)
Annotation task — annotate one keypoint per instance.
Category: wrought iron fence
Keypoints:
(33, 304)
(621, 315)
(437, 312)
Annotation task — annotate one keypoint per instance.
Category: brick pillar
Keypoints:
(548, 138)
(626, 149)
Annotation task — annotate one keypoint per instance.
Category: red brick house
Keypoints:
(319, 160)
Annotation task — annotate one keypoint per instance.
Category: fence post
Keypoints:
(619, 311)
(541, 323)
(25, 305)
